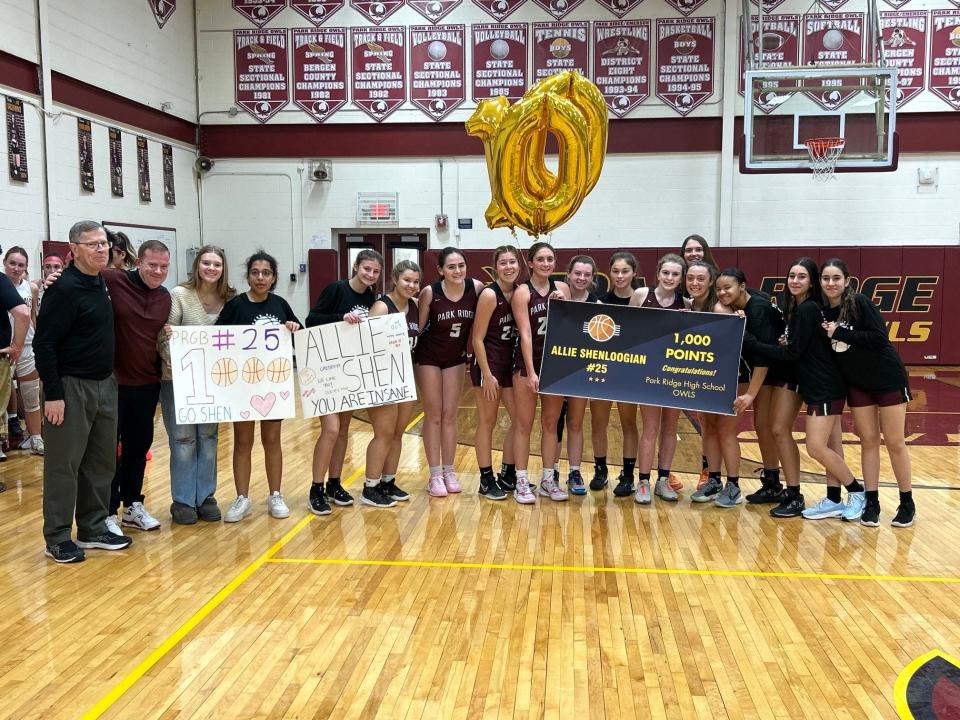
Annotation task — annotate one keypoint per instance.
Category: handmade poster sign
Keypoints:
(232, 373)
(345, 366)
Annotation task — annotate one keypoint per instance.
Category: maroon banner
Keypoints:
(379, 69)
(781, 49)
(376, 11)
(832, 4)
(499, 9)
(116, 162)
(499, 60)
(317, 11)
(260, 64)
(621, 63)
(560, 8)
(559, 46)
(832, 39)
(436, 68)
(619, 7)
(143, 168)
(169, 191)
(16, 140)
(320, 71)
(434, 10)
(685, 61)
(945, 56)
(162, 10)
(85, 149)
(686, 7)
(769, 5)
(259, 12)
(905, 47)
(897, 3)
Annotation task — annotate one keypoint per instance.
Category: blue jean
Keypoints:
(193, 454)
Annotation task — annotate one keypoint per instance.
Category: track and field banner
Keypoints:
(683, 360)
(232, 373)
(344, 366)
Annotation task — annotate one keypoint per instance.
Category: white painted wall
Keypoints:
(18, 29)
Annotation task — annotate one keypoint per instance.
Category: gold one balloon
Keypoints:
(525, 192)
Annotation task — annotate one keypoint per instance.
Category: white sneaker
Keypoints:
(238, 509)
(278, 508)
(136, 516)
(113, 526)
(522, 493)
(36, 445)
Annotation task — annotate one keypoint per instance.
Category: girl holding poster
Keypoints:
(390, 420)
(529, 304)
(348, 301)
(494, 336)
(447, 308)
(258, 306)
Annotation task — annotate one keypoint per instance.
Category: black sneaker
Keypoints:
(624, 486)
(373, 496)
(490, 488)
(106, 541)
(507, 482)
(791, 505)
(871, 514)
(209, 511)
(599, 481)
(771, 491)
(14, 430)
(339, 496)
(390, 489)
(318, 503)
(905, 515)
(65, 552)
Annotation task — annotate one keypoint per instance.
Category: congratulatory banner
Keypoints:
(686, 360)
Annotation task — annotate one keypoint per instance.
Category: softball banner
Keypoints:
(344, 366)
(232, 373)
(686, 360)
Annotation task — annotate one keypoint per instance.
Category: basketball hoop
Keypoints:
(824, 153)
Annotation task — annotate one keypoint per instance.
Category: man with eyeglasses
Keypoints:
(11, 343)
(74, 350)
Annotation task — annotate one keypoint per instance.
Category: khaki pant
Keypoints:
(6, 385)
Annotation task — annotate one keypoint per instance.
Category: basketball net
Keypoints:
(824, 153)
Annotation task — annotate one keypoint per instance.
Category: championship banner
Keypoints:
(896, 3)
(169, 192)
(619, 7)
(945, 55)
(348, 366)
(686, 7)
(685, 360)
(781, 49)
(143, 168)
(162, 10)
(16, 140)
(905, 47)
(260, 71)
(320, 71)
(560, 46)
(376, 11)
(560, 8)
(499, 9)
(621, 63)
(832, 39)
(85, 148)
(434, 10)
(499, 60)
(317, 11)
(232, 373)
(259, 12)
(379, 69)
(770, 5)
(116, 161)
(436, 68)
(685, 61)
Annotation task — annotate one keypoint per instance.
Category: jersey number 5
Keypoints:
(455, 330)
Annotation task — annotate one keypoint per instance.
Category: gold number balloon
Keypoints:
(525, 192)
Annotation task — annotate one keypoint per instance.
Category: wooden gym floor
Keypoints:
(467, 608)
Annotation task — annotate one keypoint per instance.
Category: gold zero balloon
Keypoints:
(525, 192)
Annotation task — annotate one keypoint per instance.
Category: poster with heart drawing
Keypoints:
(232, 373)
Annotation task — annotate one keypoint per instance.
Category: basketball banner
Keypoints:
(685, 360)
(685, 65)
(232, 373)
(348, 366)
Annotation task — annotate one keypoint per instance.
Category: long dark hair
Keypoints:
(631, 260)
(707, 254)
(848, 305)
(790, 304)
(711, 300)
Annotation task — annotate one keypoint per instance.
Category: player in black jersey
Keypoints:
(389, 421)
(878, 387)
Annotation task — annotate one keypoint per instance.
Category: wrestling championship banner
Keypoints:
(685, 360)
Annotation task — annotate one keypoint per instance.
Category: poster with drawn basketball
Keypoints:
(232, 373)
(320, 71)
(379, 64)
(780, 44)
(621, 63)
(499, 60)
(317, 11)
(685, 61)
(832, 39)
(347, 366)
(259, 12)
(619, 7)
(945, 56)
(905, 47)
(437, 83)
(560, 46)
(260, 67)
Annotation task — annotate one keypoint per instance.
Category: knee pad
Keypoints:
(30, 392)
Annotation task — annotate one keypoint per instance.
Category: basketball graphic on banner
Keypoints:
(253, 371)
(224, 372)
(601, 328)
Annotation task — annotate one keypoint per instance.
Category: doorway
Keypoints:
(393, 246)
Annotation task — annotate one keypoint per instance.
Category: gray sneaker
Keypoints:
(643, 492)
(664, 490)
(709, 491)
(728, 497)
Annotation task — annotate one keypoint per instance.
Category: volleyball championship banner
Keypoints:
(232, 373)
(685, 360)
(349, 366)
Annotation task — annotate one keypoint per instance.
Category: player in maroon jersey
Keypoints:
(446, 309)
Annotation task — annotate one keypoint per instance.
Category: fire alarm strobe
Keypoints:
(441, 221)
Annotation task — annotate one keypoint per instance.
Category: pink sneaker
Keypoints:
(522, 493)
(436, 487)
(450, 481)
(550, 488)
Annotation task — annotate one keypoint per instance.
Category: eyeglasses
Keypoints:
(95, 244)
(261, 273)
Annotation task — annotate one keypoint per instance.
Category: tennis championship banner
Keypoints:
(685, 360)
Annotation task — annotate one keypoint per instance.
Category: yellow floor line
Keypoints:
(639, 571)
